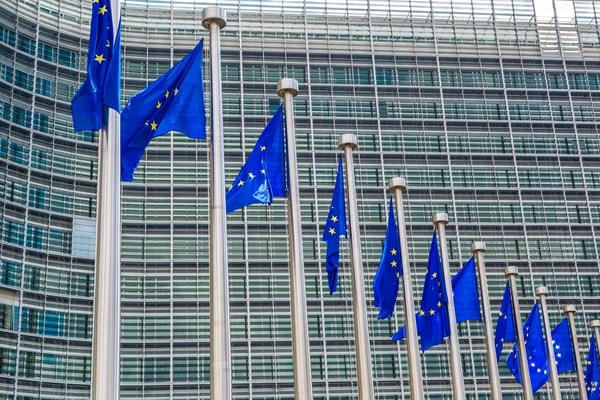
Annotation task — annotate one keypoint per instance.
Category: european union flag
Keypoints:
(536, 352)
(466, 295)
(592, 372)
(466, 299)
(173, 102)
(385, 285)
(505, 327)
(262, 177)
(102, 84)
(563, 347)
(334, 227)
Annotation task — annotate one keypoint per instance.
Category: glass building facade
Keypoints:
(490, 109)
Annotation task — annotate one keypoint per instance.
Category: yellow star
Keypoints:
(500, 314)
(176, 91)
(334, 218)
(102, 10)
(394, 251)
(167, 94)
(250, 175)
(421, 312)
(434, 275)
(94, 1)
(332, 231)
(99, 58)
(439, 303)
(394, 263)
(240, 183)
(397, 274)
(426, 271)
(431, 312)
(263, 148)
(154, 125)
(146, 123)
(262, 171)
(159, 104)
(107, 43)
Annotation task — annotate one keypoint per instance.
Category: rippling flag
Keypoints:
(173, 102)
(505, 327)
(592, 372)
(386, 282)
(262, 177)
(536, 352)
(334, 228)
(102, 84)
(563, 347)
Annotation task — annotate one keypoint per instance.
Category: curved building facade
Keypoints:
(488, 108)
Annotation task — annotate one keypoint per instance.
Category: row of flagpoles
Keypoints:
(175, 102)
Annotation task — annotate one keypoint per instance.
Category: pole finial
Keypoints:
(397, 183)
(287, 84)
(478, 246)
(569, 308)
(441, 217)
(541, 291)
(214, 14)
(595, 324)
(348, 139)
(509, 271)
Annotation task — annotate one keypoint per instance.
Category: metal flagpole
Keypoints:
(478, 248)
(595, 324)
(569, 309)
(107, 302)
(511, 273)
(397, 185)
(542, 292)
(214, 19)
(348, 142)
(288, 89)
(458, 387)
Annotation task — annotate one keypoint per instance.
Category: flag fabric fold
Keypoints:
(505, 326)
(262, 177)
(535, 347)
(387, 278)
(102, 84)
(592, 372)
(173, 102)
(562, 343)
(334, 228)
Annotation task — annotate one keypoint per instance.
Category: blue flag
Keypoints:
(563, 347)
(387, 278)
(505, 327)
(536, 352)
(466, 295)
(173, 102)
(334, 228)
(466, 298)
(592, 372)
(262, 177)
(102, 84)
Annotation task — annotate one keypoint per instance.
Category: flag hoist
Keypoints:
(347, 143)
(458, 387)
(214, 19)
(541, 292)
(397, 185)
(569, 309)
(287, 88)
(478, 248)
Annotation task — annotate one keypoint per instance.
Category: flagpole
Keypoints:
(595, 324)
(214, 19)
(287, 88)
(458, 387)
(397, 185)
(511, 273)
(569, 309)
(478, 248)
(107, 299)
(542, 292)
(347, 143)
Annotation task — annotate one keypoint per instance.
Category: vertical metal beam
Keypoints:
(541, 292)
(107, 294)
(214, 19)
(288, 89)
(397, 186)
(347, 143)
(511, 273)
(478, 248)
(569, 309)
(458, 386)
